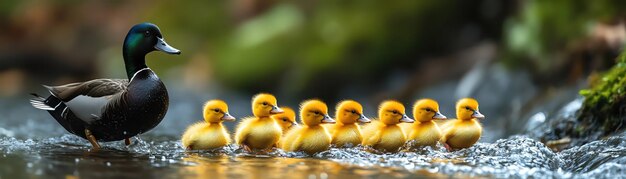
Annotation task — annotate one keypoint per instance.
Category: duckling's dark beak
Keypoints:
(406, 119)
(228, 117)
(363, 119)
(161, 45)
(276, 110)
(438, 115)
(327, 120)
(478, 115)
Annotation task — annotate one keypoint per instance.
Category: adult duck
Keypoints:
(114, 109)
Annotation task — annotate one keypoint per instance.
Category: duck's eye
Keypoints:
(467, 108)
(216, 110)
(353, 112)
(147, 33)
(264, 103)
(428, 110)
(394, 112)
(316, 113)
(285, 119)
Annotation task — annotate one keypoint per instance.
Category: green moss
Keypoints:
(603, 110)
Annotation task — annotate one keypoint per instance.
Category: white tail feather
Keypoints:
(37, 103)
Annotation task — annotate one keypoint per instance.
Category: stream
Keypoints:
(32, 145)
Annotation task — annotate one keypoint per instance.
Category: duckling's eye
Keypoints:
(264, 103)
(216, 110)
(353, 112)
(467, 108)
(285, 119)
(394, 112)
(316, 113)
(428, 110)
(147, 33)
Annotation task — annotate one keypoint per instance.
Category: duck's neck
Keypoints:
(134, 62)
(313, 126)
(134, 55)
(215, 124)
(265, 118)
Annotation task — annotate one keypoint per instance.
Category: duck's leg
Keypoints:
(92, 139)
(127, 141)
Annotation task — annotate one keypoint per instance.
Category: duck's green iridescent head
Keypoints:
(145, 38)
(142, 39)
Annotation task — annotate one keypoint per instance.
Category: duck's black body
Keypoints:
(129, 112)
(114, 109)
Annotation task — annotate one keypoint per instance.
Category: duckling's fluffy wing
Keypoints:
(191, 130)
(93, 88)
(240, 132)
(370, 128)
(447, 130)
(289, 138)
(370, 132)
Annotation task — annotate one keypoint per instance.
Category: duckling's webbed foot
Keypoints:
(246, 148)
(127, 141)
(447, 147)
(92, 139)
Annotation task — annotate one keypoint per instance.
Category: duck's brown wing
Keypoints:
(93, 88)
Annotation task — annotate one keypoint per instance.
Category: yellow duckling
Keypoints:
(210, 134)
(346, 132)
(385, 134)
(424, 132)
(311, 137)
(466, 130)
(260, 131)
(286, 120)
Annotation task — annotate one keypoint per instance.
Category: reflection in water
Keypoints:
(223, 166)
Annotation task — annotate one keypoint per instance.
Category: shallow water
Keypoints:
(33, 145)
(517, 156)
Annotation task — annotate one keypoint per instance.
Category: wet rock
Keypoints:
(602, 113)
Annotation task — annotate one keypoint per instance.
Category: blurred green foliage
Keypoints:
(348, 37)
(541, 31)
(299, 42)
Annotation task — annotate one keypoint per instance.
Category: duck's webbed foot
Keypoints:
(92, 139)
(127, 141)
